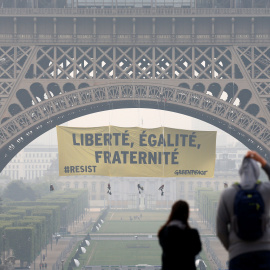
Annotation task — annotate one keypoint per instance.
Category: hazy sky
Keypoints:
(146, 118)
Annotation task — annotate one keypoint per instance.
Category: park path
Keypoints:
(52, 253)
(55, 250)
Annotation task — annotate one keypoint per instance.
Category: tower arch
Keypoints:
(25, 126)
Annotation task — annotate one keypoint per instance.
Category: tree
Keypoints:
(41, 189)
(18, 191)
(21, 241)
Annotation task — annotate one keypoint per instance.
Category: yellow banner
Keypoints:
(118, 151)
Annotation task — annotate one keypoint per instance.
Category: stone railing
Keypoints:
(133, 11)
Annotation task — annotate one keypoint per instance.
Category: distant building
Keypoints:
(226, 156)
(31, 163)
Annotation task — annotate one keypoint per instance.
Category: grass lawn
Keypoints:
(120, 222)
(144, 216)
(132, 252)
(149, 227)
(124, 253)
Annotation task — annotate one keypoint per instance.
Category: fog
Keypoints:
(122, 219)
(76, 54)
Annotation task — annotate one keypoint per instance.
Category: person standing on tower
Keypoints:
(180, 243)
(242, 221)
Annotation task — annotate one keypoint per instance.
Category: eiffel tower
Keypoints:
(208, 59)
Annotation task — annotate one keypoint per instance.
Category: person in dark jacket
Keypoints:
(180, 243)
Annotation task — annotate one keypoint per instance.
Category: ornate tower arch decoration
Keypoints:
(212, 68)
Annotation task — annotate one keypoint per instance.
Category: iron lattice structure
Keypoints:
(53, 68)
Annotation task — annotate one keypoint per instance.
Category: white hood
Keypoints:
(249, 173)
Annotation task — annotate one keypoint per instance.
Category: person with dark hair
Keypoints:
(180, 243)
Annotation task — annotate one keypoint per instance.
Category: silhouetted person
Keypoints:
(88, 237)
(180, 243)
(57, 239)
(51, 187)
(161, 189)
(140, 188)
(243, 254)
(109, 189)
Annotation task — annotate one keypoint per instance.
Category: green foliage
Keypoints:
(18, 191)
(148, 222)
(37, 224)
(149, 216)
(6, 208)
(17, 211)
(28, 225)
(41, 189)
(3, 225)
(54, 211)
(147, 227)
(49, 219)
(9, 217)
(122, 253)
(30, 193)
(21, 240)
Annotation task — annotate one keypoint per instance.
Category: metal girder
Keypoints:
(43, 86)
(21, 129)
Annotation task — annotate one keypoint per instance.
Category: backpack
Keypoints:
(249, 212)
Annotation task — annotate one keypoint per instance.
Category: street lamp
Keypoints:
(62, 261)
(4, 244)
(29, 240)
